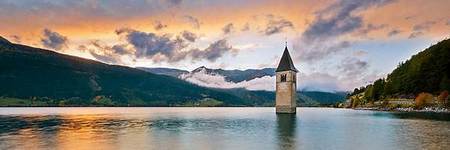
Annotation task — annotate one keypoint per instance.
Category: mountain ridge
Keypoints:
(28, 72)
(235, 75)
(39, 77)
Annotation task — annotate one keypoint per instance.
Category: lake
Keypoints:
(219, 128)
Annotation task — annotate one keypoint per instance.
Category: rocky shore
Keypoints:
(408, 109)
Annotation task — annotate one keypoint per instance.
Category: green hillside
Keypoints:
(304, 98)
(428, 71)
(49, 78)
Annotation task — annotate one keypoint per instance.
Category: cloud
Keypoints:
(104, 52)
(319, 82)
(213, 51)
(54, 40)
(322, 37)
(170, 48)
(394, 32)
(313, 52)
(202, 78)
(228, 28)
(16, 38)
(104, 57)
(82, 48)
(415, 34)
(174, 2)
(360, 53)
(157, 25)
(120, 49)
(419, 29)
(191, 37)
(352, 66)
(246, 27)
(339, 18)
(409, 17)
(423, 26)
(276, 25)
(148, 45)
(249, 46)
(308, 82)
(370, 27)
(195, 23)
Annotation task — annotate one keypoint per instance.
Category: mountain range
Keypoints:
(234, 76)
(37, 77)
(205, 76)
(33, 73)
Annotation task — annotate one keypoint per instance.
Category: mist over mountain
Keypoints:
(255, 85)
(251, 79)
(234, 76)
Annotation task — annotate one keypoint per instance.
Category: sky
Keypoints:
(335, 44)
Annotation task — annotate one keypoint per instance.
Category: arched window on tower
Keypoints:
(283, 78)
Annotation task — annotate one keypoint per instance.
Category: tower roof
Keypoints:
(286, 63)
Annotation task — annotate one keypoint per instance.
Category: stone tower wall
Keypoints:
(286, 92)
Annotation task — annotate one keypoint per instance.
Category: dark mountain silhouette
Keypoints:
(304, 98)
(33, 73)
(165, 71)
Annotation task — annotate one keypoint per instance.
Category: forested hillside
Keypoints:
(44, 77)
(426, 72)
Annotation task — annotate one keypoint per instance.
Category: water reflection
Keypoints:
(286, 135)
(63, 131)
(216, 128)
(422, 115)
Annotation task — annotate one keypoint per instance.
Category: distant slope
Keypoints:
(237, 75)
(325, 97)
(304, 98)
(27, 72)
(4, 41)
(164, 71)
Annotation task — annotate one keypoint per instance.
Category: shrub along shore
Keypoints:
(423, 102)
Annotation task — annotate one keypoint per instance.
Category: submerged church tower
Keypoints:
(286, 84)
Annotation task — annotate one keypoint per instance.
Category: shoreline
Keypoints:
(409, 109)
(405, 110)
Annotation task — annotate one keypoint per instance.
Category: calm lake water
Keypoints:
(219, 128)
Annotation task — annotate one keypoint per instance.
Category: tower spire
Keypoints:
(286, 62)
(285, 41)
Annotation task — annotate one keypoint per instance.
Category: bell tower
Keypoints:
(286, 85)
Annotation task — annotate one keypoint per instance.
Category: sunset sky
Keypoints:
(337, 45)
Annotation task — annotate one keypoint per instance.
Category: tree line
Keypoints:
(426, 72)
